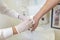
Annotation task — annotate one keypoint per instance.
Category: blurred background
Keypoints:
(30, 8)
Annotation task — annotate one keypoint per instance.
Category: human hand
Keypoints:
(25, 25)
(36, 20)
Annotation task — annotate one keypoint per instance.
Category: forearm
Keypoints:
(48, 5)
(8, 32)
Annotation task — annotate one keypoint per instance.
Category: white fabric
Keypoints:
(40, 33)
(7, 11)
(24, 25)
(27, 35)
(5, 33)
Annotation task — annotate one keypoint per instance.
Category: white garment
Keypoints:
(25, 25)
(5, 33)
(10, 12)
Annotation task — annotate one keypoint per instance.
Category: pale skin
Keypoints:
(48, 5)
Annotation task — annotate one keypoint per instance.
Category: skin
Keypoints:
(14, 31)
(48, 5)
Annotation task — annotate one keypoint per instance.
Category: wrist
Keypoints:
(14, 30)
(36, 18)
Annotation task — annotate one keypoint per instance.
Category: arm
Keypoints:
(49, 5)
(8, 32)
(12, 13)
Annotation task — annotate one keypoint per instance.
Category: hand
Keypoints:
(25, 25)
(35, 24)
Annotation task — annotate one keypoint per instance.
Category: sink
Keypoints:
(39, 34)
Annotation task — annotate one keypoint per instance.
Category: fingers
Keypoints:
(34, 27)
(30, 22)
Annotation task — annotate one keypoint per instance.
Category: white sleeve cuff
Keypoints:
(5, 33)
